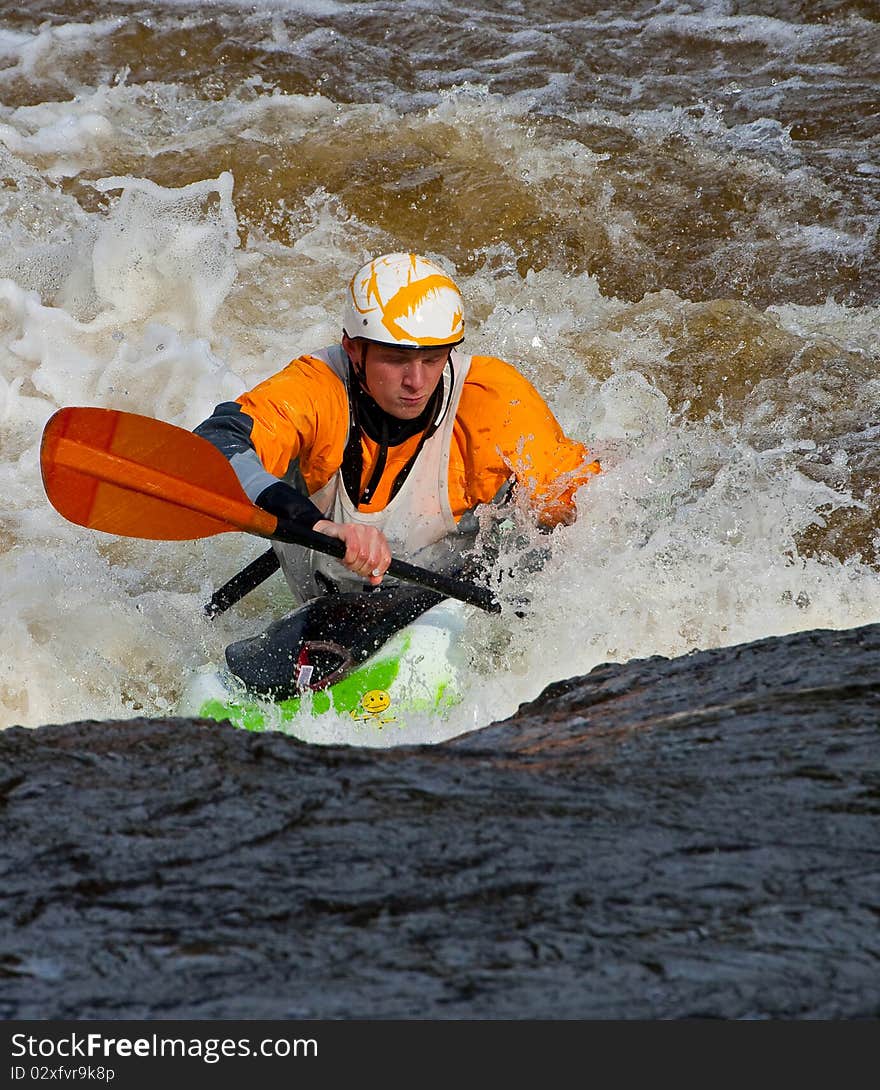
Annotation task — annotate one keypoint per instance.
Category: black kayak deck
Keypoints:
(322, 640)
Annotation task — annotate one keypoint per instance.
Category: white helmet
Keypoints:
(404, 300)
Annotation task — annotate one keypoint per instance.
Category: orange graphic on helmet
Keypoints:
(415, 302)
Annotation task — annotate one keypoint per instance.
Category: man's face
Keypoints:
(400, 380)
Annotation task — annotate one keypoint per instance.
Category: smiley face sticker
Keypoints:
(372, 708)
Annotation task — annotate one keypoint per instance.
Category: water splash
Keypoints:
(670, 259)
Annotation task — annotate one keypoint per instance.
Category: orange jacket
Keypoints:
(502, 428)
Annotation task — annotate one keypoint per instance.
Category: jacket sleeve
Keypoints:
(229, 429)
(511, 432)
(276, 424)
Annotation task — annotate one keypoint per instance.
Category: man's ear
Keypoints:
(354, 349)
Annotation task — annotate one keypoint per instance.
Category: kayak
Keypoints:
(377, 659)
(374, 657)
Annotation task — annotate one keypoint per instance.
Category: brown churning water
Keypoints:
(666, 213)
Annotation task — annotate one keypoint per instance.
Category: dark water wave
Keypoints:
(663, 839)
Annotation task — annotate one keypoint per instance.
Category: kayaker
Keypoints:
(392, 438)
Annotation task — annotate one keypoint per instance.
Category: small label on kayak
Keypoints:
(304, 676)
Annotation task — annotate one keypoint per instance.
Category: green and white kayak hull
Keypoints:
(417, 671)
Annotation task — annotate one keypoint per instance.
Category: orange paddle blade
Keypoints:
(138, 477)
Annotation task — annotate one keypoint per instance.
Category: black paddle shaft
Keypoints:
(447, 585)
(267, 564)
(250, 577)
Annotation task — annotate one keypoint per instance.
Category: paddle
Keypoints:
(134, 476)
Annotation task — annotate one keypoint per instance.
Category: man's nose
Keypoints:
(414, 373)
